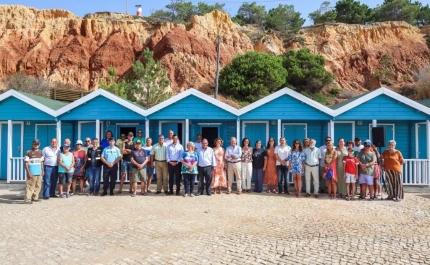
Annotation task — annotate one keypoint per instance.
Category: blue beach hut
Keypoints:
(288, 114)
(404, 120)
(24, 117)
(191, 113)
(100, 111)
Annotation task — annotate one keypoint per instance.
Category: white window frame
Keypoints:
(95, 124)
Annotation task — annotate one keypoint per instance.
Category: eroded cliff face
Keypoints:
(65, 48)
(62, 47)
(353, 52)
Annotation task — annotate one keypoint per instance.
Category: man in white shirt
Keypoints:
(323, 149)
(205, 167)
(173, 157)
(282, 151)
(313, 158)
(50, 164)
(233, 156)
(357, 145)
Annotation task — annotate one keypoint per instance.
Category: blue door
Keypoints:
(45, 133)
(294, 131)
(87, 129)
(17, 148)
(342, 130)
(3, 151)
(422, 141)
(254, 131)
(175, 127)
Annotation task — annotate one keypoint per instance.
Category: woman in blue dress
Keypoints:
(297, 157)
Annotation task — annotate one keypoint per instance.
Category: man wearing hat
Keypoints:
(111, 155)
(367, 161)
(126, 165)
(139, 160)
(34, 168)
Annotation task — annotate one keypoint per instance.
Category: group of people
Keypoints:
(332, 169)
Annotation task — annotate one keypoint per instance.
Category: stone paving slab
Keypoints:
(218, 229)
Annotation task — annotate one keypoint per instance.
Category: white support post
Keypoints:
(331, 130)
(98, 131)
(9, 150)
(374, 123)
(187, 131)
(237, 130)
(59, 131)
(146, 128)
(279, 129)
(428, 150)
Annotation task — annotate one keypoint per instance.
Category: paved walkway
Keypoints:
(220, 229)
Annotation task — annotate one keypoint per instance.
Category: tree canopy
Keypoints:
(284, 19)
(181, 11)
(306, 71)
(146, 85)
(324, 14)
(352, 12)
(252, 75)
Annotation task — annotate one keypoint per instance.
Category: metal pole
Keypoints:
(217, 66)
(126, 7)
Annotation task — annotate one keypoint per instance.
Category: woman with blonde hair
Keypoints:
(219, 180)
(392, 161)
(189, 168)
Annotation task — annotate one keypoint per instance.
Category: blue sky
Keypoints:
(81, 7)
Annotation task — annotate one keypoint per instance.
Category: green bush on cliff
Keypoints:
(252, 75)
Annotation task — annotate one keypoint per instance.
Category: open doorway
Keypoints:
(210, 133)
(126, 130)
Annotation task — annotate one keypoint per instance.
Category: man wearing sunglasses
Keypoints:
(140, 137)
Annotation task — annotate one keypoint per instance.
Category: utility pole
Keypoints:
(126, 7)
(217, 65)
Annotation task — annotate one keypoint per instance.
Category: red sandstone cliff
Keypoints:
(65, 48)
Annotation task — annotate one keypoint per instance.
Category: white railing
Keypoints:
(18, 173)
(416, 172)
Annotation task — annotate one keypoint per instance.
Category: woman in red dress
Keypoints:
(219, 180)
(270, 174)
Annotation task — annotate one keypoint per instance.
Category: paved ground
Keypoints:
(221, 229)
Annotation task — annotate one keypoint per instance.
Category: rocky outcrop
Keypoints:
(352, 52)
(65, 48)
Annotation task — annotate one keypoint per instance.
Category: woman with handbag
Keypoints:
(330, 173)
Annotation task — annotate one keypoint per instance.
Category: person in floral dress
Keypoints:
(219, 179)
(270, 174)
(297, 157)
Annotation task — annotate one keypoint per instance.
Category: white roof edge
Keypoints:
(100, 92)
(194, 92)
(294, 94)
(24, 98)
(378, 92)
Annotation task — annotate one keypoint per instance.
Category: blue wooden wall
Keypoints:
(383, 108)
(101, 108)
(192, 107)
(285, 106)
(12, 108)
